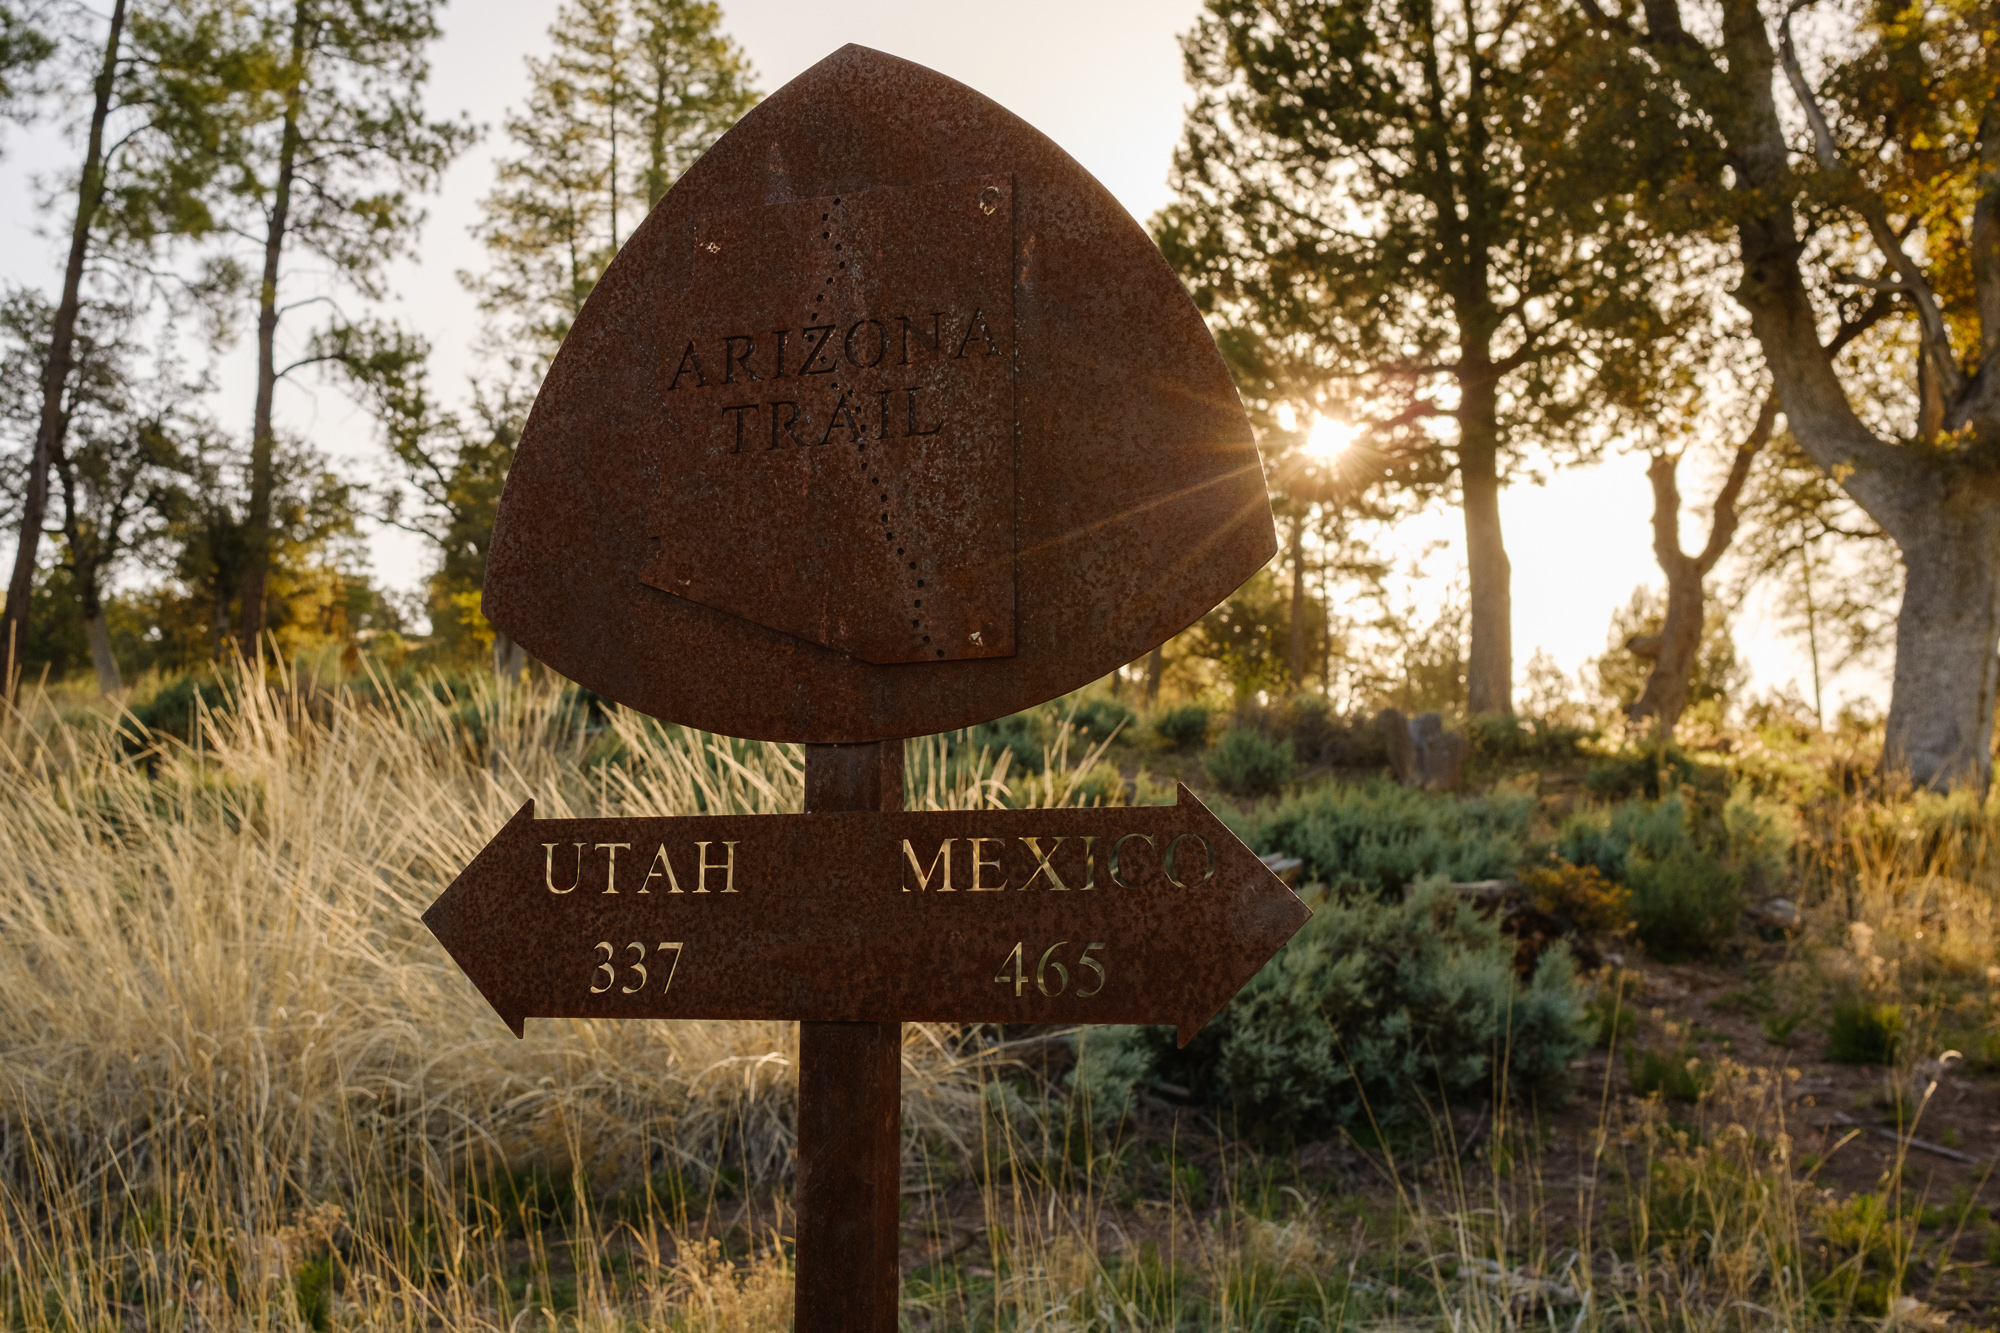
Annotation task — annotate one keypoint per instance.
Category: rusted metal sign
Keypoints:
(1114, 915)
(887, 420)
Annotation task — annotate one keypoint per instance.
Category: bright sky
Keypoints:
(1103, 79)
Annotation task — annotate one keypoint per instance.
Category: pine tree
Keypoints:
(1414, 207)
(156, 149)
(329, 167)
(633, 93)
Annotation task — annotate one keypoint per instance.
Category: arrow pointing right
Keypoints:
(1153, 914)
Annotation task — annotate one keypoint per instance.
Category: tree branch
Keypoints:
(1722, 529)
(1942, 363)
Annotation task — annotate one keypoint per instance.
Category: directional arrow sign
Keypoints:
(1113, 915)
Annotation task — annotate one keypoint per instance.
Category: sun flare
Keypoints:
(1329, 437)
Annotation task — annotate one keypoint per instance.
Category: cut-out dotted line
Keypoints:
(861, 448)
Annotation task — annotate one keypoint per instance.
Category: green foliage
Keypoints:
(1621, 676)
(1248, 636)
(1098, 717)
(632, 92)
(1502, 738)
(1683, 905)
(1373, 1011)
(1023, 735)
(1249, 763)
(1677, 1075)
(1379, 838)
(1102, 785)
(1688, 863)
(1184, 726)
(174, 711)
(1641, 772)
(312, 1289)
(1863, 1032)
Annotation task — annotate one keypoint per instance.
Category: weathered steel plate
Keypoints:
(837, 423)
(1154, 914)
(1136, 502)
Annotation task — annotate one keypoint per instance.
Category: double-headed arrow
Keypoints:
(1151, 914)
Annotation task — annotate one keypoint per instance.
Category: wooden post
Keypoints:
(850, 1110)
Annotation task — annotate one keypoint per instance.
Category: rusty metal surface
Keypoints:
(1152, 914)
(847, 1205)
(846, 473)
(1066, 518)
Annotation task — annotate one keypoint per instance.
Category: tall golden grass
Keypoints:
(225, 1027)
(241, 1087)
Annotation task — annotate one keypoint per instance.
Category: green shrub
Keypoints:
(1676, 1075)
(1249, 763)
(1685, 905)
(1100, 717)
(1311, 725)
(1102, 785)
(1502, 738)
(1860, 1032)
(1021, 735)
(1635, 772)
(172, 711)
(1373, 1011)
(1378, 837)
(1686, 863)
(312, 1289)
(1184, 726)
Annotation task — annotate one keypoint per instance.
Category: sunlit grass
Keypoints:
(243, 1088)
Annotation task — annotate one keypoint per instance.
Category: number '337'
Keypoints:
(605, 974)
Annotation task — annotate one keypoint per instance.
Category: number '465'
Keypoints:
(1050, 976)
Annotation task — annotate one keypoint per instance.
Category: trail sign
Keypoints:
(887, 421)
(1153, 914)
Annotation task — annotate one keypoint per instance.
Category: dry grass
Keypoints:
(228, 1038)
(243, 1088)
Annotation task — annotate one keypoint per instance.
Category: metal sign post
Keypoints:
(887, 421)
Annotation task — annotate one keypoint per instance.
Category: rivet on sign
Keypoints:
(989, 199)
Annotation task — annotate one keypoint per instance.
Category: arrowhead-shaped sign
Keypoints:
(886, 421)
(1150, 914)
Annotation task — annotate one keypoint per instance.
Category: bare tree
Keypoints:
(1674, 651)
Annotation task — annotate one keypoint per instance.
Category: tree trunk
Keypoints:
(108, 680)
(257, 533)
(56, 367)
(1944, 520)
(1156, 662)
(509, 658)
(1676, 650)
(1489, 670)
(1298, 645)
(1947, 634)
